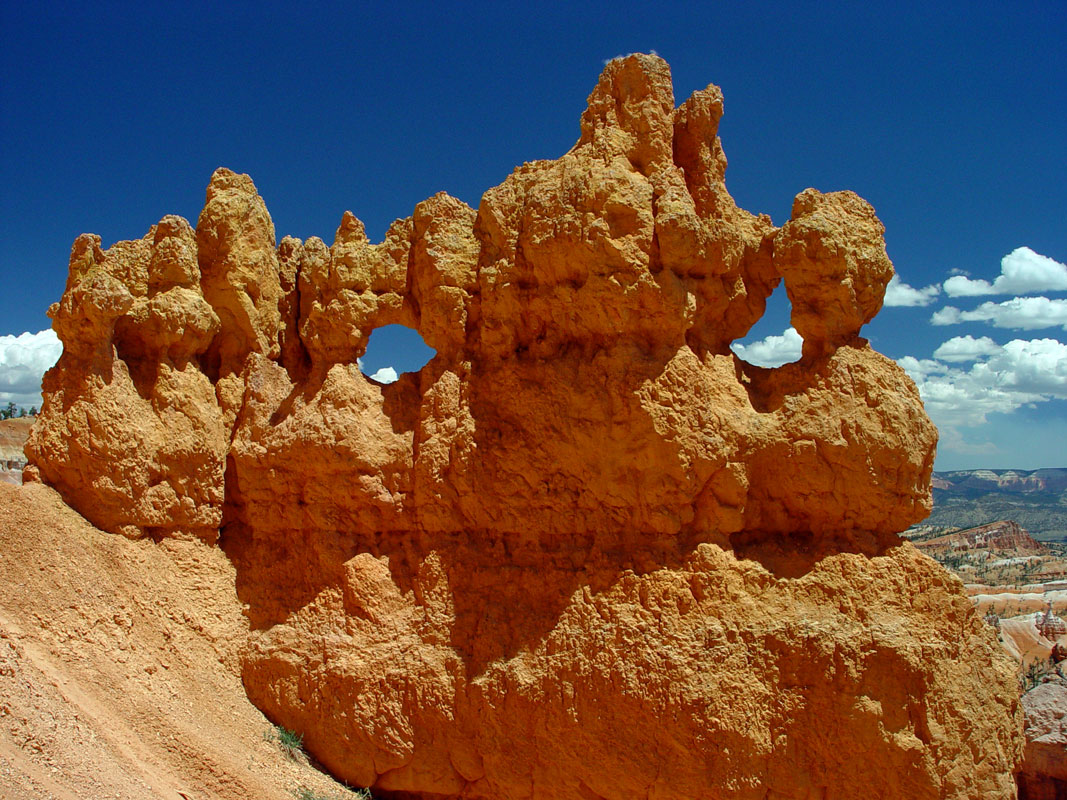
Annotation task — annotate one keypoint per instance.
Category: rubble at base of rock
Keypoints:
(586, 551)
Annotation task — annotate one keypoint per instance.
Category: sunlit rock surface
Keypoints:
(586, 551)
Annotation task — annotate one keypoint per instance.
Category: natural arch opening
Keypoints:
(393, 350)
(772, 341)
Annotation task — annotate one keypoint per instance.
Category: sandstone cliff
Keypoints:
(586, 551)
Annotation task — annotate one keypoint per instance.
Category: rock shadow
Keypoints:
(498, 591)
(500, 594)
(794, 555)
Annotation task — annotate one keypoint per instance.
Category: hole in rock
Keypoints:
(772, 341)
(393, 350)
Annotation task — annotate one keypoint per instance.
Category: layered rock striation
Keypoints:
(586, 551)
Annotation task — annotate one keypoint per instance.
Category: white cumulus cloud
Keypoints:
(949, 315)
(898, 293)
(1035, 365)
(1001, 379)
(1022, 271)
(23, 361)
(772, 351)
(385, 375)
(961, 286)
(1019, 313)
(918, 368)
(966, 348)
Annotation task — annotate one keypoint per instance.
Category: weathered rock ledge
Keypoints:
(586, 551)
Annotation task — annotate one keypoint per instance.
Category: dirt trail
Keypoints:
(118, 674)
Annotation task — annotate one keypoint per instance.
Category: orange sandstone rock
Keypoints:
(832, 256)
(482, 668)
(586, 551)
(133, 436)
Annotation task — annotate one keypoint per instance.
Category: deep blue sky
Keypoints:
(950, 118)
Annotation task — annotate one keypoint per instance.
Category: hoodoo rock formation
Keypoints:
(586, 551)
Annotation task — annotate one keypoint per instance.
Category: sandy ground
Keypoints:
(118, 676)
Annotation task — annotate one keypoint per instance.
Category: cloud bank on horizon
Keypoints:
(964, 379)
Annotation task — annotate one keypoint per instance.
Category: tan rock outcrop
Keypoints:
(586, 551)
(1043, 775)
(834, 264)
(580, 674)
(133, 436)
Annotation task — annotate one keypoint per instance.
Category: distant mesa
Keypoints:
(1036, 499)
(1001, 535)
(1008, 480)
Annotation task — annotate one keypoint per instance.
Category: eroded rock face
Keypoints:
(586, 551)
(134, 436)
(1044, 770)
(494, 669)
